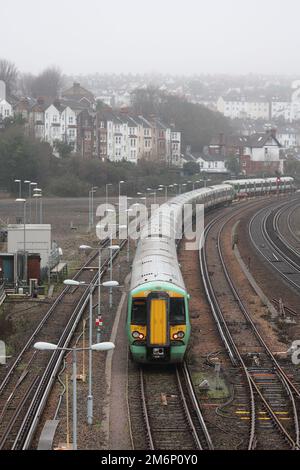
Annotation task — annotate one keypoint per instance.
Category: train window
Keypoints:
(139, 312)
(177, 311)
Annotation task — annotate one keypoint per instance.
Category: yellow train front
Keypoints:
(158, 323)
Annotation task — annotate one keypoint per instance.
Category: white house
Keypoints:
(60, 125)
(175, 147)
(211, 164)
(6, 109)
(68, 126)
(52, 124)
(207, 163)
(263, 147)
(238, 106)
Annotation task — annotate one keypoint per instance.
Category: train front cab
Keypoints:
(158, 326)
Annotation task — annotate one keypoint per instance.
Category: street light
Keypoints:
(91, 206)
(38, 195)
(120, 182)
(24, 222)
(105, 346)
(106, 193)
(128, 242)
(20, 188)
(180, 186)
(144, 197)
(72, 282)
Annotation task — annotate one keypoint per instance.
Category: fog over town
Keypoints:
(149, 230)
(199, 36)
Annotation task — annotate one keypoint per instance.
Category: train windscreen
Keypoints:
(177, 311)
(139, 312)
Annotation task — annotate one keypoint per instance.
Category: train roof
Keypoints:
(258, 180)
(156, 255)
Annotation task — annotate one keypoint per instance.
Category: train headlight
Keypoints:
(138, 335)
(178, 335)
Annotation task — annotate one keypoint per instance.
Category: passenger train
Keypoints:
(158, 322)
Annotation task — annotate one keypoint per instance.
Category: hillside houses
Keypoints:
(257, 153)
(73, 119)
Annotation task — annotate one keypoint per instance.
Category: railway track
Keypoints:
(171, 411)
(265, 235)
(25, 389)
(270, 408)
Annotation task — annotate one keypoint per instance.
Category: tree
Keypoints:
(233, 165)
(26, 84)
(190, 168)
(63, 148)
(9, 74)
(48, 83)
(22, 157)
(197, 123)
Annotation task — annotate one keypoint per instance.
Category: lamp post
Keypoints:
(105, 346)
(106, 193)
(37, 195)
(29, 198)
(33, 186)
(128, 237)
(24, 239)
(120, 182)
(181, 186)
(20, 188)
(85, 248)
(72, 282)
(111, 248)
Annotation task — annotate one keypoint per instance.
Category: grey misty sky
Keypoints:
(168, 36)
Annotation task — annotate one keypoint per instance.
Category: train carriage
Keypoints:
(158, 323)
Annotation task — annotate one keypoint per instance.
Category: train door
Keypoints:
(158, 337)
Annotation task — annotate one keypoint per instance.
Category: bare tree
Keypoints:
(48, 83)
(26, 84)
(9, 74)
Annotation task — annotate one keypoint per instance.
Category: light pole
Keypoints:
(144, 197)
(33, 186)
(24, 240)
(91, 206)
(72, 282)
(37, 195)
(128, 237)
(85, 248)
(182, 185)
(29, 197)
(106, 193)
(105, 346)
(20, 188)
(111, 248)
(120, 182)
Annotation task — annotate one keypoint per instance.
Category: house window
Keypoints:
(70, 119)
